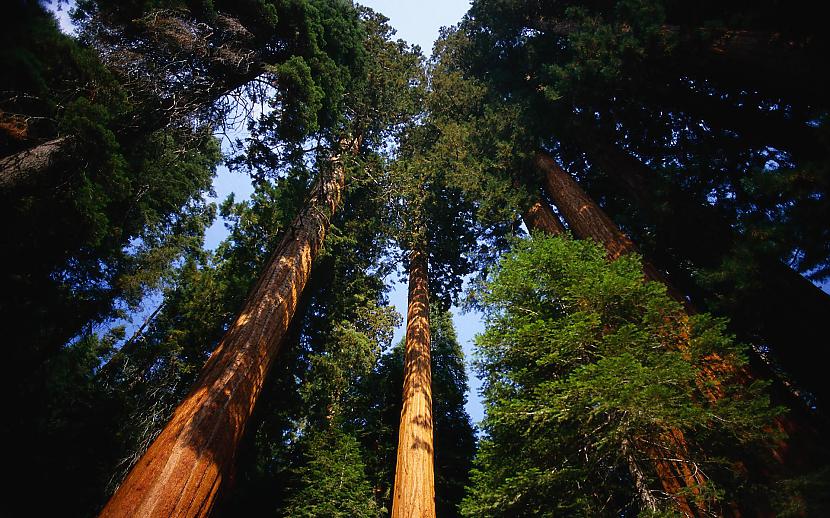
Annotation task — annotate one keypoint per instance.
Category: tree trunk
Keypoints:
(791, 456)
(28, 166)
(183, 469)
(539, 217)
(414, 495)
(785, 310)
(588, 221)
(647, 500)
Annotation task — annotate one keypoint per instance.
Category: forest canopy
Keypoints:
(633, 194)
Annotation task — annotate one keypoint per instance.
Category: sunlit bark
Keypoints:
(183, 470)
(588, 221)
(414, 495)
(539, 217)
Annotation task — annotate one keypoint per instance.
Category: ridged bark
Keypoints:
(541, 218)
(588, 221)
(183, 470)
(414, 495)
(28, 166)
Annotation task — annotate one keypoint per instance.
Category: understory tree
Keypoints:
(590, 373)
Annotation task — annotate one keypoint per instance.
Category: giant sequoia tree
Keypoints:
(255, 380)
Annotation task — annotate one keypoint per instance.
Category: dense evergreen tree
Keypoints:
(589, 372)
(332, 482)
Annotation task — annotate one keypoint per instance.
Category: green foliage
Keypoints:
(332, 480)
(587, 371)
(301, 101)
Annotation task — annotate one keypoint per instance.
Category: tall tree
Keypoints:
(415, 470)
(183, 469)
(376, 410)
(205, 440)
(615, 65)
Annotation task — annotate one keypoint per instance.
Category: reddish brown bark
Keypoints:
(414, 495)
(588, 221)
(785, 311)
(541, 218)
(184, 468)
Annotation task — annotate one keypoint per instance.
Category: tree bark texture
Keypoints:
(786, 310)
(541, 218)
(28, 166)
(414, 495)
(183, 470)
(588, 221)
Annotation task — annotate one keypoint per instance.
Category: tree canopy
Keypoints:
(666, 362)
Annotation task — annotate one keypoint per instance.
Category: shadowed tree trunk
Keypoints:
(588, 221)
(785, 311)
(26, 167)
(541, 218)
(183, 470)
(797, 452)
(414, 495)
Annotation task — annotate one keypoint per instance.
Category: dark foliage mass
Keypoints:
(700, 129)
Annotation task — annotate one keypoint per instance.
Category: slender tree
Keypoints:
(414, 493)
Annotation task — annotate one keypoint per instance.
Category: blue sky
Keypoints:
(417, 22)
